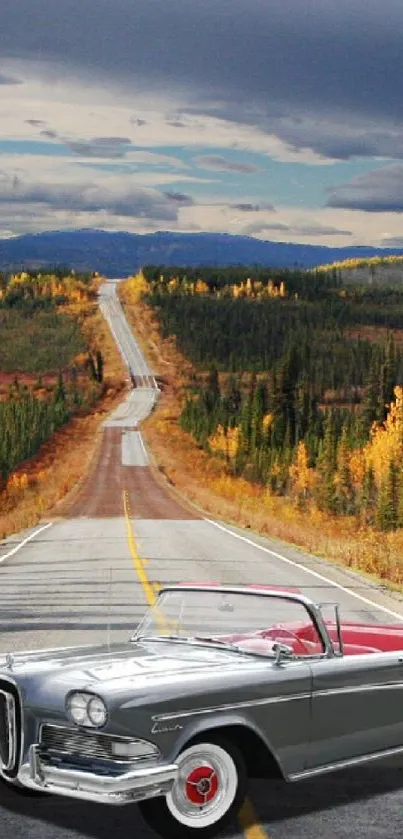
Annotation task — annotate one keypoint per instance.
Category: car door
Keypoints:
(357, 706)
(283, 712)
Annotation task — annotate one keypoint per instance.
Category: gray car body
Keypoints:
(308, 715)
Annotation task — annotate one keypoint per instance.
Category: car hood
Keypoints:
(89, 667)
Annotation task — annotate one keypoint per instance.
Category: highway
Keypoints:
(89, 574)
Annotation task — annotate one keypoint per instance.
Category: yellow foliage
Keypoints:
(17, 481)
(267, 421)
(134, 288)
(386, 441)
(301, 475)
(174, 284)
(225, 442)
(360, 262)
(356, 465)
(201, 287)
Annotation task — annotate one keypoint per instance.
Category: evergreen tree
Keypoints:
(370, 402)
(100, 367)
(369, 496)
(388, 502)
(387, 380)
(325, 490)
(345, 489)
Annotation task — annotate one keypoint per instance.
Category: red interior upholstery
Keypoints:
(369, 637)
(304, 639)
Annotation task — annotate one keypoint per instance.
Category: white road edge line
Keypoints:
(308, 571)
(25, 541)
(143, 447)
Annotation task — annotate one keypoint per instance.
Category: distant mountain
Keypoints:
(119, 254)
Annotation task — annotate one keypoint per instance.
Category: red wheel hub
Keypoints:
(201, 785)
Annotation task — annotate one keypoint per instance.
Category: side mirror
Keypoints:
(282, 652)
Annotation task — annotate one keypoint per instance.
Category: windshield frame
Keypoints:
(312, 610)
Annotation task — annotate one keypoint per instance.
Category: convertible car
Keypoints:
(216, 685)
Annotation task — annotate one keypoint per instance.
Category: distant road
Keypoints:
(78, 580)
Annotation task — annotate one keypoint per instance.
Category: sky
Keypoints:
(277, 119)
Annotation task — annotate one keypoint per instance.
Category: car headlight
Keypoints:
(97, 711)
(87, 709)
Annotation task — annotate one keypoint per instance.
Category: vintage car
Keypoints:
(216, 685)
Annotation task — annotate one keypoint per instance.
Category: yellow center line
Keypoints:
(247, 817)
(138, 563)
(250, 823)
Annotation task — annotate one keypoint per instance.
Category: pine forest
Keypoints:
(297, 380)
(50, 366)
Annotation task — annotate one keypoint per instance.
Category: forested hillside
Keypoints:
(50, 365)
(296, 381)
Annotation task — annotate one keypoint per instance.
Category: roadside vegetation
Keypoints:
(59, 372)
(277, 412)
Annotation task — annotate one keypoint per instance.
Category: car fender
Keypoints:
(196, 727)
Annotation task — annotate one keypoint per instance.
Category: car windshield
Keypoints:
(242, 621)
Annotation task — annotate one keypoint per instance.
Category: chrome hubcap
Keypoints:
(202, 785)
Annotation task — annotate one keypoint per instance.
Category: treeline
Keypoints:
(29, 292)
(236, 335)
(292, 400)
(223, 280)
(42, 335)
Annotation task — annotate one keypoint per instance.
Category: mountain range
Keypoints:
(119, 254)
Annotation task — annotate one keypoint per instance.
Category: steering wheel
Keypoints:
(273, 633)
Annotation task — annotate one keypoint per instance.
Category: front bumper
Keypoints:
(136, 785)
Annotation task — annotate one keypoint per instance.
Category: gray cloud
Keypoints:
(8, 80)
(47, 132)
(320, 230)
(378, 191)
(329, 64)
(297, 230)
(122, 200)
(111, 147)
(252, 208)
(216, 162)
(259, 227)
(392, 242)
(180, 198)
(35, 122)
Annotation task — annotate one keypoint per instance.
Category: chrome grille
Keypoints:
(7, 730)
(71, 743)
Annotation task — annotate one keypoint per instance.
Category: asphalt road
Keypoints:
(76, 580)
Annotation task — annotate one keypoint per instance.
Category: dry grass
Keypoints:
(204, 481)
(62, 462)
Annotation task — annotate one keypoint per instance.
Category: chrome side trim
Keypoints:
(345, 764)
(136, 785)
(235, 706)
(11, 727)
(357, 689)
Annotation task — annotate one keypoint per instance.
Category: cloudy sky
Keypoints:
(279, 119)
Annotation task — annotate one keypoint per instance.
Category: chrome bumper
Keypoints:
(132, 786)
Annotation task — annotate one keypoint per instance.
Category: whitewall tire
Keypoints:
(208, 792)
